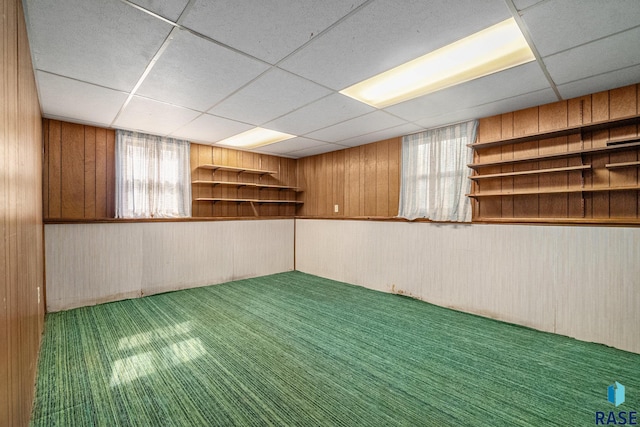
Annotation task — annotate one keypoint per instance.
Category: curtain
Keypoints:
(153, 176)
(434, 177)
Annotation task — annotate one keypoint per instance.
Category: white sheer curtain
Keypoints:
(434, 173)
(153, 176)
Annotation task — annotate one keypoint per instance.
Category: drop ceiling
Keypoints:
(205, 70)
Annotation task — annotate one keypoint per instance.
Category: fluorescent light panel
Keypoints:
(256, 137)
(493, 49)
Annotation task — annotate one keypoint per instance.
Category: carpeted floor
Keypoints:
(295, 349)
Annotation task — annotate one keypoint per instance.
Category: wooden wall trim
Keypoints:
(133, 220)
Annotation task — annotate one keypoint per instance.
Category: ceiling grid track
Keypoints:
(527, 36)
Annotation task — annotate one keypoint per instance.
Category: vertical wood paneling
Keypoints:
(101, 173)
(79, 166)
(382, 178)
(45, 167)
(21, 210)
(111, 174)
(370, 179)
(362, 181)
(55, 170)
(352, 183)
(395, 148)
(553, 117)
(338, 182)
(490, 130)
(525, 122)
(72, 170)
(89, 172)
(507, 153)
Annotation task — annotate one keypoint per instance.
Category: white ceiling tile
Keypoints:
(154, 117)
(401, 130)
(321, 149)
(384, 34)
(541, 97)
(506, 84)
(595, 58)
(209, 129)
(170, 9)
(559, 25)
(291, 145)
(273, 94)
(84, 48)
(524, 4)
(78, 101)
(325, 112)
(601, 82)
(368, 123)
(195, 73)
(267, 30)
(103, 42)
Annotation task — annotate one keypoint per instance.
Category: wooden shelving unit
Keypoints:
(529, 172)
(247, 184)
(585, 173)
(258, 201)
(237, 169)
(622, 165)
(241, 184)
(556, 156)
(583, 128)
(552, 191)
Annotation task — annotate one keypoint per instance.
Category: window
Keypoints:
(434, 177)
(153, 176)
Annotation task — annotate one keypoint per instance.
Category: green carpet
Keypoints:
(295, 349)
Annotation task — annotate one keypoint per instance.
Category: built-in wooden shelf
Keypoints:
(560, 155)
(530, 172)
(222, 199)
(553, 191)
(622, 165)
(623, 140)
(238, 170)
(247, 184)
(587, 127)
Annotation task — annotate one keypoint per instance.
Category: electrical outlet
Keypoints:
(336, 208)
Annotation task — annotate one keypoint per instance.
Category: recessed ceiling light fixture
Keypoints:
(493, 49)
(256, 137)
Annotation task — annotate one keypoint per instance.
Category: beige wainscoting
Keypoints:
(93, 263)
(583, 282)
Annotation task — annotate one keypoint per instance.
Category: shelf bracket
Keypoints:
(255, 211)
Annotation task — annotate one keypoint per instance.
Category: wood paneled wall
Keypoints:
(79, 176)
(598, 107)
(206, 154)
(78, 171)
(21, 245)
(362, 181)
